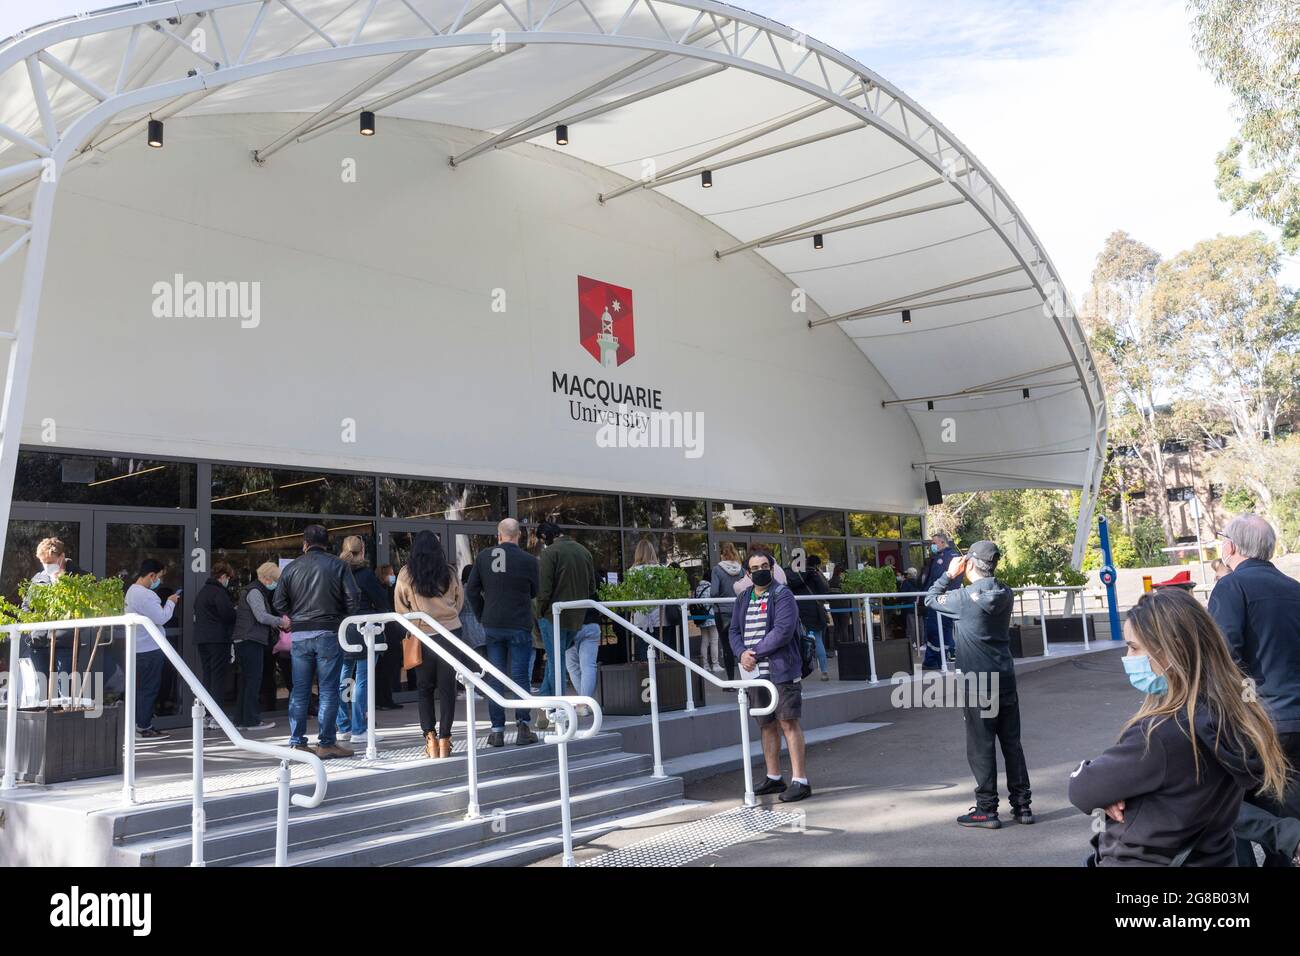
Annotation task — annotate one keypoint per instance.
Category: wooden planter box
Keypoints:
(58, 745)
(1026, 641)
(623, 689)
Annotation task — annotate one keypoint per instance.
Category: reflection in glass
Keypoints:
(872, 524)
(746, 517)
(832, 551)
(536, 505)
(681, 549)
(814, 521)
(20, 550)
(450, 500)
(912, 526)
(236, 488)
(246, 542)
(673, 513)
(84, 479)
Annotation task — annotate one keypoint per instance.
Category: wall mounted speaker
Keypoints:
(933, 493)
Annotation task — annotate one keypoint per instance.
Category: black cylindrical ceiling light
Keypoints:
(929, 406)
(706, 179)
(1024, 392)
(562, 135)
(156, 133)
(818, 241)
(907, 316)
(367, 123)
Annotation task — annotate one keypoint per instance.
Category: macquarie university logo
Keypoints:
(605, 321)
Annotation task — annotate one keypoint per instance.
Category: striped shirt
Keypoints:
(756, 626)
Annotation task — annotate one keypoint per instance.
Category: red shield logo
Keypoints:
(605, 321)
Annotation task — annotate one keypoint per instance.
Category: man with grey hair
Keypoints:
(501, 588)
(1258, 609)
(938, 632)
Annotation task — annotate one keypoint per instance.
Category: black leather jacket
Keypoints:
(317, 591)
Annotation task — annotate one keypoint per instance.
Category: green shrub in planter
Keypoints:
(869, 581)
(647, 583)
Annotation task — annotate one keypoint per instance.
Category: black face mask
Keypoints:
(762, 578)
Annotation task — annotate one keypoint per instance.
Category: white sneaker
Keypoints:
(210, 723)
(343, 737)
(263, 725)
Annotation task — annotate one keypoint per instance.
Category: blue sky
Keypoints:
(1095, 115)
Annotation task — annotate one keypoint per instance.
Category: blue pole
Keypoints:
(1108, 577)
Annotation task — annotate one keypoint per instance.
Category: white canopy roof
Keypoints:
(799, 140)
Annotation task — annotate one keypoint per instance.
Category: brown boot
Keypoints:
(444, 747)
(431, 745)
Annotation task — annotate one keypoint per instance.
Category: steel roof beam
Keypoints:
(890, 306)
(973, 393)
(859, 223)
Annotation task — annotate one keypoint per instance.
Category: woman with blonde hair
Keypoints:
(1172, 787)
(354, 678)
(256, 629)
(644, 556)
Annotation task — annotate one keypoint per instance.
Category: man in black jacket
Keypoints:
(983, 614)
(501, 588)
(942, 555)
(317, 591)
(214, 625)
(1258, 609)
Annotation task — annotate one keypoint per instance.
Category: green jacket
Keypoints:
(568, 574)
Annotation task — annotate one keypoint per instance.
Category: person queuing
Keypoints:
(502, 585)
(316, 592)
(354, 676)
(426, 583)
(388, 677)
(142, 598)
(763, 632)
(256, 629)
(814, 615)
(214, 627)
(567, 572)
(1172, 787)
(982, 610)
(727, 573)
(707, 619)
(941, 557)
(52, 556)
(1257, 608)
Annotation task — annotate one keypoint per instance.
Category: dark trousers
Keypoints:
(148, 681)
(982, 734)
(435, 679)
(724, 641)
(215, 659)
(251, 656)
(388, 672)
(1289, 807)
(268, 696)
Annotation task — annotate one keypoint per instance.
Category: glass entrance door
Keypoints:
(122, 541)
(28, 527)
(396, 538)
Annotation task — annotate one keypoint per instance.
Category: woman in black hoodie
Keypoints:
(1169, 791)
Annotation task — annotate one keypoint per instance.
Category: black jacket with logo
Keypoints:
(983, 614)
(317, 591)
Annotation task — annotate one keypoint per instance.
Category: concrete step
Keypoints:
(447, 841)
(381, 811)
(360, 780)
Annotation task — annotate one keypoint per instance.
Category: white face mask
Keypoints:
(51, 568)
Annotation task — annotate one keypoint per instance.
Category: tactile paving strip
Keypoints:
(694, 841)
(298, 772)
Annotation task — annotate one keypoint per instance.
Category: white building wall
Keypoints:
(376, 306)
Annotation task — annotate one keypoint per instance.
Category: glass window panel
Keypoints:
(450, 500)
(246, 542)
(567, 507)
(93, 480)
(890, 555)
(680, 549)
(746, 517)
(605, 546)
(911, 526)
(872, 524)
(238, 488)
(20, 562)
(814, 521)
(832, 551)
(864, 555)
(916, 557)
(672, 513)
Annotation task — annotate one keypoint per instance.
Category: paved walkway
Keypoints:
(889, 796)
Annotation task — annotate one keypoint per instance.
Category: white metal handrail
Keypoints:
(471, 679)
(740, 686)
(203, 704)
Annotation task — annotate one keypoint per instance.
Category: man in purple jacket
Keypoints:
(762, 636)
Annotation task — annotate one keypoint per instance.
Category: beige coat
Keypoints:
(445, 609)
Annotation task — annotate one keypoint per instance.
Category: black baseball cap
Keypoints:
(985, 551)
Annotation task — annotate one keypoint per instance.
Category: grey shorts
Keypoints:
(789, 702)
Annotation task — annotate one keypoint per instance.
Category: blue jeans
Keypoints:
(934, 624)
(508, 650)
(315, 655)
(548, 640)
(821, 649)
(148, 681)
(354, 678)
(580, 659)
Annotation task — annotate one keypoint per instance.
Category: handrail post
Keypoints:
(686, 642)
(1083, 616)
(128, 734)
(198, 824)
(871, 637)
(1042, 619)
(282, 815)
(561, 747)
(920, 629)
(654, 711)
(471, 750)
(11, 731)
(746, 760)
(368, 635)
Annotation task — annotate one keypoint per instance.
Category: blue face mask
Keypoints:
(273, 585)
(392, 579)
(154, 586)
(934, 549)
(1142, 677)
